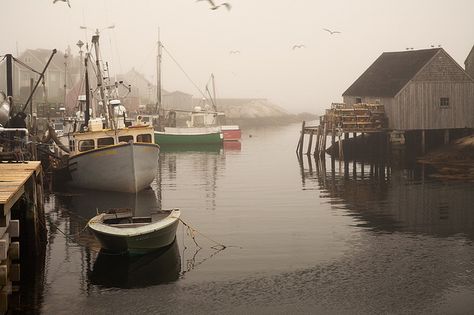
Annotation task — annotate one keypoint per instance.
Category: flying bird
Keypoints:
(234, 52)
(298, 46)
(331, 31)
(67, 1)
(213, 5)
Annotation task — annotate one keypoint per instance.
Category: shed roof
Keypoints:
(470, 55)
(390, 73)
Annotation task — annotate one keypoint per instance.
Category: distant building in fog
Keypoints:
(420, 89)
(177, 100)
(55, 76)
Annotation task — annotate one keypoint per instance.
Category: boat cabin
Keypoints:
(86, 141)
(205, 117)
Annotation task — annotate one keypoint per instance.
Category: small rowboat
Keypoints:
(118, 231)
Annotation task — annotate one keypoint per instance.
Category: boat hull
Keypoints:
(188, 136)
(127, 167)
(137, 244)
(231, 133)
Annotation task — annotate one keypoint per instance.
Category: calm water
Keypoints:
(303, 238)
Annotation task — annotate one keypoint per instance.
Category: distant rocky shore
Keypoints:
(257, 112)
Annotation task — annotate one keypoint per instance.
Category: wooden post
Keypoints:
(310, 143)
(310, 165)
(423, 143)
(318, 135)
(9, 59)
(301, 141)
(354, 169)
(341, 149)
(325, 135)
(446, 136)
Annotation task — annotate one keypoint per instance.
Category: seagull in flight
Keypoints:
(298, 46)
(331, 31)
(67, 1)
(213, 5)
(234, 52)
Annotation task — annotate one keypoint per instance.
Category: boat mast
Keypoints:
(87, 90)
(110, 123)
(159, 104)
(214, 103)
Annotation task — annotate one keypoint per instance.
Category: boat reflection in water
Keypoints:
(232, 146)
(212, 148)
(126, 271)
(86, 203)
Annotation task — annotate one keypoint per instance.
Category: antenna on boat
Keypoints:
(159, 104)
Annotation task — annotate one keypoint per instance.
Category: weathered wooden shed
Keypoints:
(420, 89)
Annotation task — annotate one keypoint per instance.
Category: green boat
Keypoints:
(188, 136)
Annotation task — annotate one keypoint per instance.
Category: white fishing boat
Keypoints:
(118, 231)
(103, 153)
(124, 160)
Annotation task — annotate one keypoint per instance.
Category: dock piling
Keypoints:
(21, 196)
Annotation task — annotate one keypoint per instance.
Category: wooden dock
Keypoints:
(340, 120)
(21, 194)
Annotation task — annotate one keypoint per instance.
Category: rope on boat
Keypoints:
(191, 232)
(70, 237)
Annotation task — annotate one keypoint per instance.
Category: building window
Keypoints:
(444, 102)
(358, 100)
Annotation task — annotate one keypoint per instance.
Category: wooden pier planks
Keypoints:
(13, 179)
(13, 176)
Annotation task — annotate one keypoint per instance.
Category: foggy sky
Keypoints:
(263, 30)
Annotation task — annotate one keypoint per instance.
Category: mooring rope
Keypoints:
(191, 232)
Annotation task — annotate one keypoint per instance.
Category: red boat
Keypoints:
(231, 132)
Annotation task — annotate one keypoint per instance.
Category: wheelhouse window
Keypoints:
(125, 139)
(103, 142)
(444, 102)
(86, 145)
(144, 138)
(198, 121)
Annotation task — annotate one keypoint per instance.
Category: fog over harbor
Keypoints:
(307, 78)
(236, 156)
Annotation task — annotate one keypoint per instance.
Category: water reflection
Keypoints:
(392, 197)
(86, 203)
(195, 166)
(215, 148)
(124, 271)
(232, 146)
